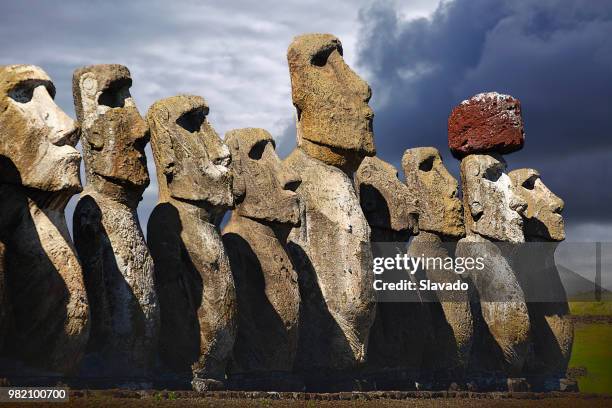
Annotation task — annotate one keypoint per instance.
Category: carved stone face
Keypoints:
(192, 161)
(543, 215)
(114, 135)
(268, 185)
(37, 138)
(331, 100)
(493, 209)
(427, 179)
(385, 200)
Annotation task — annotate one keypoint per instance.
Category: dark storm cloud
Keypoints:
(555, 56)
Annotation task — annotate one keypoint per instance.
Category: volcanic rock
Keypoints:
(486, 123)
(266, 282)
(117, 266)
(39, 173)
(193, 279)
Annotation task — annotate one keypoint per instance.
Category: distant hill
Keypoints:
(579, 288)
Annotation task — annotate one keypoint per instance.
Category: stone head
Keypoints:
(440, 210)
(385, 200)
(114, 135)
(331, 100)
(268, 185)
(191, 160)
(542, 217)
(37, 138)
(492, 206)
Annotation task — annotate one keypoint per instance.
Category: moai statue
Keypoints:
(386, 202)
(39, 172)
(402, 327)
(440, 226)
(117, 266)
(266, 282)
(552, 330)
(331, 247)
(492, 212)
(193, 279)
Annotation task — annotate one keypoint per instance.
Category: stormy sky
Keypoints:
(420, 57)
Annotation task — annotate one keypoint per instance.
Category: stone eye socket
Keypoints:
(192, 120)
(493, 174)
(115, 95)
(529, 184)
(321, 57)
(24, 91)
(257, 150)
(427, 164)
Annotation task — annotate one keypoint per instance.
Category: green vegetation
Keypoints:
(591, 308)
(593, 350)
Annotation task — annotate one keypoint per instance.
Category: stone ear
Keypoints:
(157, 121)
(88, 84)
(238, 183)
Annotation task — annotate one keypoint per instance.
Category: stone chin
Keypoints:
(285, 211)
(363, 148)
(139, 182)
(451, 224)
(510, 230)
(216, 196)
(138, 177)
(454, 220)
(557, 227)
(223, 199)
(59, 171)
(551, 228)
(291, 216)
(515, 230)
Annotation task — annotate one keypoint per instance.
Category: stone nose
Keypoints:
(367, 92)
(290, 180)
(221, 156)
(66, 131)
(557, 205)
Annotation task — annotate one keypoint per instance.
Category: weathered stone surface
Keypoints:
(542, 218)
(386, 201)
(266, 282)
(486, 123)
(331, 248)
(117, 266)
(268, 185)
(435, 192)
(401, 330)
(492, 207)
(39, 172)
(334, 121)
(492, 211)
(552, 330)
(194, 282)
(440, 224)
(332, 253)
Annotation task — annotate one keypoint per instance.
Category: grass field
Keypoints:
(593, 350)
(591, 308)
(593, 347)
